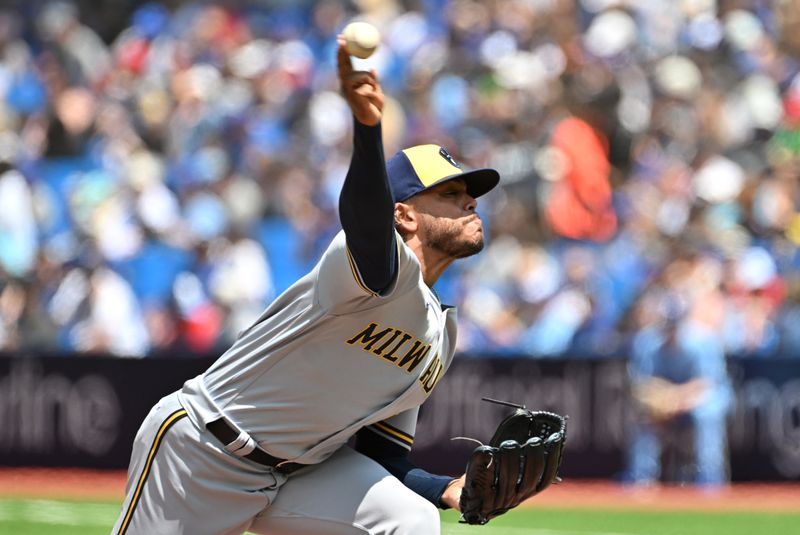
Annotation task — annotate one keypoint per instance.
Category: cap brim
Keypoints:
(478, 181)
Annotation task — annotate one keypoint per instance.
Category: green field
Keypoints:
(583, 522)
(65, 517)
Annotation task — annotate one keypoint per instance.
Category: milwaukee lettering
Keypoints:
(393, 345)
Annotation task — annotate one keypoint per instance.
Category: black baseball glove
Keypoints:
(521, 460)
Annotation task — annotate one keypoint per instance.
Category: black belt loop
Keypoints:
(226, 434)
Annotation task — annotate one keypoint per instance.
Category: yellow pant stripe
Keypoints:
(171, 419)
(386, 428)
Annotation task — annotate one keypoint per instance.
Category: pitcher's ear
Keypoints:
(405, 218)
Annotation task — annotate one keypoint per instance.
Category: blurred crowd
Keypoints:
(161, 182)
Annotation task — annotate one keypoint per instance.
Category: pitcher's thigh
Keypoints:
(348, 494)
(180, 483)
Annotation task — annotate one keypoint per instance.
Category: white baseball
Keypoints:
(362, 38)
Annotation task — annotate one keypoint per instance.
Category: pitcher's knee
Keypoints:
(421, 517)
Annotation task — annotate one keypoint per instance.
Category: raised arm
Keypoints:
(366, 207)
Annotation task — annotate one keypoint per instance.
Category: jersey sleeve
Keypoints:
(398, 429)
(340, 287)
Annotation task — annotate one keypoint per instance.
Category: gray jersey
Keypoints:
(329, 357)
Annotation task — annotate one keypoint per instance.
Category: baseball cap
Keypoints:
(419, 168)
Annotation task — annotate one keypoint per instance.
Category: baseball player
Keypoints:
(259, 441)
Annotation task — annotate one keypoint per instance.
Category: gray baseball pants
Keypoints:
(182, 481)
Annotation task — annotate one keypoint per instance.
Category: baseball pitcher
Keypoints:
(259, 441)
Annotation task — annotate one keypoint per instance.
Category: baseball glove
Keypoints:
(521, 460)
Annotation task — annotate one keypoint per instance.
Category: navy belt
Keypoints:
(226, 434)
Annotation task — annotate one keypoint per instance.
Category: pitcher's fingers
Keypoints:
(376, 82)
(373, 96)
(367, 92)
(358, 79)
(343, 63)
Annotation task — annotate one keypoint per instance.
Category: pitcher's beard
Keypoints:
(447, 236)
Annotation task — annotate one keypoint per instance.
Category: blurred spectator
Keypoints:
(679, 383)
(579, 206)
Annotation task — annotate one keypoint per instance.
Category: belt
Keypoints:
(226, 434)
